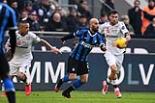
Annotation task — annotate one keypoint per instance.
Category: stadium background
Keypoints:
(139, 70)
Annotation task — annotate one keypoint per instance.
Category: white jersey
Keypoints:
(112, 32)
(23, 53)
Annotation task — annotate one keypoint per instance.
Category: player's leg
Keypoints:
(24, 75)
(111, 61)
(83, 72)
(8, 84)
(12, 73)
(71, 74)
(119, 61)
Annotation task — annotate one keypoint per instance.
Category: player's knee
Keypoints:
(113, 69)
(21, 76)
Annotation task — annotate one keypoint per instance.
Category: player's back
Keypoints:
(7, 19)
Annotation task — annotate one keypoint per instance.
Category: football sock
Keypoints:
(11, 96)
(10, 90)
(8, 84)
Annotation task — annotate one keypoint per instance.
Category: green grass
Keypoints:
(83, 97)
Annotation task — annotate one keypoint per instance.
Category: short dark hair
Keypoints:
(113, 12)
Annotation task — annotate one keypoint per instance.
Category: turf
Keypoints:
(83, 97)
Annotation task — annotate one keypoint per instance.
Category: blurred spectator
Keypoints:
(72, 20)
(103, 18)
(148, 14)
(150, 31)
(34, 23)
(24, 16)
(83, 22)
(126, 21)
(28, 6)
(108, 7)
(44, 12)
(14, 5)
(76, 2)
(135, 15)
(56, 23)
(84, 9)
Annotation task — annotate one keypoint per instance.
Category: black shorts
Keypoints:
(78, 67)
(4, 66)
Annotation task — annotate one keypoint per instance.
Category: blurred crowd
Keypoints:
(48, 15)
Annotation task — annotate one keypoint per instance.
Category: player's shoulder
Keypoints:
(120, 23)
(31, 33)
(104, 25)
(7, 7)
(82, 30)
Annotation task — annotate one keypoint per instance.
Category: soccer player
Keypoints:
(21, 61)
(77, 62)
(114, 55)
(7, 22)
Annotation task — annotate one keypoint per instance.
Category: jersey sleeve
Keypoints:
(101, 28)
(12, 23)
(78, 33)
(123, 28)
(35, 38)
(101, 39)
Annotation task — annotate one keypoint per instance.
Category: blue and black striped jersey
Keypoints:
(87, 41)
(7, 21)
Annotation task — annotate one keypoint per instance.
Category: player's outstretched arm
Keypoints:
(70, 36)
(49, 46)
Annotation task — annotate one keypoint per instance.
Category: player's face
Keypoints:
(113, 18)
(24, 28)
(95, 26)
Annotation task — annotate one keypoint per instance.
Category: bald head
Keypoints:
(93, 20)
(94, 24)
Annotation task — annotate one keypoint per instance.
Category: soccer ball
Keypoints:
(121, 42)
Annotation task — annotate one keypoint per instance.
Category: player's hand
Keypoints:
(63, 41)
(55, 50)
(9, 55)
(103, 47)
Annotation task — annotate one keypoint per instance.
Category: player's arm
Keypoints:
(125, 31)
(128, 36)
(50, 47)
(102, 42)
(70, 36)
(12, 27)
(78, 33)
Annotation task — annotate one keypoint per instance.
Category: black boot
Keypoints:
(66, 93)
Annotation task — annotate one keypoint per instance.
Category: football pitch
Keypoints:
(83, 97)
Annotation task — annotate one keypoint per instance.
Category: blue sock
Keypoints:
(77, 83)
(66, 78)
(8, 84)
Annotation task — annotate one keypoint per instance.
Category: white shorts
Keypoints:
(112, 59)
(24, 68)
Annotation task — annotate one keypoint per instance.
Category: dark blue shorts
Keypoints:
(77, 67)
